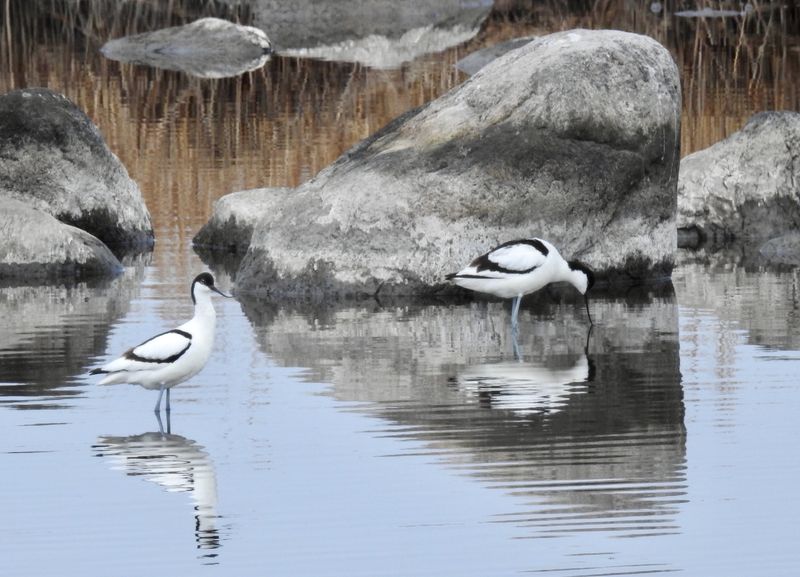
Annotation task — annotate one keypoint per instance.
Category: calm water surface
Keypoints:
(406, 439)
(390, 438)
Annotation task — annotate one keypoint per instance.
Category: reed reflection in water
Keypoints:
(598, 445)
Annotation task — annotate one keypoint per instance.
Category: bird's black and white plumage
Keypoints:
(519, 267)
(172, 357)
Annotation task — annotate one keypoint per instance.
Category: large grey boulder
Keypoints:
(53, 158)
(207, 48)
(35, 247)
(573, 137)
(745, 187)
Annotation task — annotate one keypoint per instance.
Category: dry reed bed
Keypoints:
(188, 141)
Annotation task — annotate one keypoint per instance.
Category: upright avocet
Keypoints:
(171, 357)
(520, 267)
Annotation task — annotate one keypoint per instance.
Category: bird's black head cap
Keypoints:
(203, 278)
(578, 265)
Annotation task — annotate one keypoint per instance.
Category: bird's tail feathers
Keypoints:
(114, 378)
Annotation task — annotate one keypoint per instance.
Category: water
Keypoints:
(385, 439)
(392, 437)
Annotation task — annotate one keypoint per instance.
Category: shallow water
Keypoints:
(391, 438)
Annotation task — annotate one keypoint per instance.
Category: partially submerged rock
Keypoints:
(235, 217)
(746, 187)
(35, 248)
(715, 13)
(384, 52)
(208, 48)
(310, 23)
(573, 137)
(53, 158)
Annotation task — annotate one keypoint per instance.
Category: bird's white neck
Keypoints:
(203, 308)
(575, 277)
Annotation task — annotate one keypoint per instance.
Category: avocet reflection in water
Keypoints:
(176, 464)
(528, 387)
(536, 385)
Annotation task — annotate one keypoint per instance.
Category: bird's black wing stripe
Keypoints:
(171, 359)
(494, 267)
(534, 242)
(478, 276)
(483, 262)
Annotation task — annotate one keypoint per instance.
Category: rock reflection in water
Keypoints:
(610, 458)
(757, 301)
(175, 463)
(206, 48)
(50, 333)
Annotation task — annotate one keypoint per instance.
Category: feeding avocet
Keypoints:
(519, 267)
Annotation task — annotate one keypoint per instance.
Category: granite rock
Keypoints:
(743, 188)
(573, 137)
(53, 158)
(37, 248)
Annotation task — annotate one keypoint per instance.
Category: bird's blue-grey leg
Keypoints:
(515, 312)
(158, 403)
(515, 346)
(160, 425)
(168, 409)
